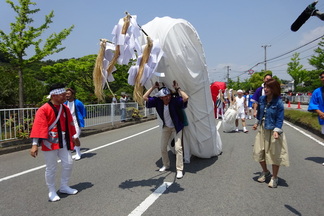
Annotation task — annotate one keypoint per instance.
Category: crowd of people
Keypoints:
(266, 108)
(57, 127)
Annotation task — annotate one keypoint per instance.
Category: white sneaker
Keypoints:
(236, 130)
(245, 131)
(162, 169)
(53, 197)
(179, 174)
(77, 157)
(68, 190)
(263, 176)
(273, 183)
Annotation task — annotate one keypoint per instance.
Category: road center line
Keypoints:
(139, 210)
(91, 150)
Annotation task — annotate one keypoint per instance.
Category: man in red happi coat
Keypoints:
(54, 131)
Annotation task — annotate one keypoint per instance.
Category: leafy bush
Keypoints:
(302, 118)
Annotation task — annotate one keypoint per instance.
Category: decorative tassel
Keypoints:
(138, 88)
(97, 71)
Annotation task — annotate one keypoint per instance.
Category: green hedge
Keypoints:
(307, 120)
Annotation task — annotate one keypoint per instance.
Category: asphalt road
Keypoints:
(118, 175)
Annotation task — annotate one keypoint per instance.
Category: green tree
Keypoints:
(317, 60)
(8, 87)
(312, 81)
(74, 73)
(77, 73)
(296, 71)
(23, 36)
(256, 79)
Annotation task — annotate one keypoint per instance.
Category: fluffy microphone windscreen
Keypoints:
(303, 17)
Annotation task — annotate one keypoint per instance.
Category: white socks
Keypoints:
(53, 197)
(78, 152)
(68, 190)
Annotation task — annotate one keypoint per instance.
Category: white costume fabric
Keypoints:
(149, 68)
(128, 42)
(229, 119)
(184, 61)
(109, 54)
(75, 120)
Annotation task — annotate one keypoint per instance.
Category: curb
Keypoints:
(306, 127)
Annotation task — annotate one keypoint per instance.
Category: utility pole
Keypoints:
(265, 56)
(227, 76)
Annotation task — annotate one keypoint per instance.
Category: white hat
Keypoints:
(163, 92)
(239, 91)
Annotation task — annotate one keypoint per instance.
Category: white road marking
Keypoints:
(139, 210)
(117, 141)
(22, 173)
(306, 134)
(91, 150)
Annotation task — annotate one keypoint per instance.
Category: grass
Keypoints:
(307, 120)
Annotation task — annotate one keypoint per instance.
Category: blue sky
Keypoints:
(232, 32)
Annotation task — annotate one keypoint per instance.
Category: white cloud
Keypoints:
(309, 36)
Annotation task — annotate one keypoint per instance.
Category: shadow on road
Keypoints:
(156, 182)
(197, 164)
(80, 187)
(293, 210)
(319, 160)
(88, 155)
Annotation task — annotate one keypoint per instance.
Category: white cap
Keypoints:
(239, 91)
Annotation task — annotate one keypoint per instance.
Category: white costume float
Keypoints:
(184, 61)
(174, 53)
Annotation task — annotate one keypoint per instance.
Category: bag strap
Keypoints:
(67, 132)
(58, 122)
(57, 117)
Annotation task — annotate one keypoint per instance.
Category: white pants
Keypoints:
(77, 128)
(51, 166)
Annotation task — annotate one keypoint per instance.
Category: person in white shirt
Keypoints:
(123, 101)
(78, 112)
(241, 107)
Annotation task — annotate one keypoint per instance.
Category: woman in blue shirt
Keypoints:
(270, 145)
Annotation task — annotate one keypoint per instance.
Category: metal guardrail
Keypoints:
(299, 98)
(16, 123)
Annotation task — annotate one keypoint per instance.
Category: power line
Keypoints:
(296, 48)
(285, 53)
(292, 55)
